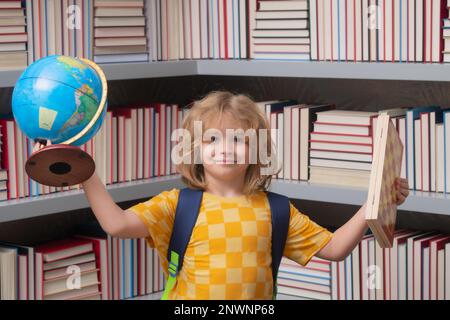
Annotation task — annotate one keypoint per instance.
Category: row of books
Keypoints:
(62, 27)
(415, 268)
(13, 35)
(315, 143)
(198, 29)
(88, 266)
(160, 30)
(120, 32)
(373, 30)
(132, 144)
(280, 30)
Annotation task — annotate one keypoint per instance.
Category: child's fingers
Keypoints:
(400, 198)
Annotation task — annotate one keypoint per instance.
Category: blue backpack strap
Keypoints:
(280, 211)
(188, 206)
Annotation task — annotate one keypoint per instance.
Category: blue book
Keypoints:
(412, 115)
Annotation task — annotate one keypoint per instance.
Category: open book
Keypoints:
(381, 212)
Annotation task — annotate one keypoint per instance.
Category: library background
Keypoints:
(299, 59)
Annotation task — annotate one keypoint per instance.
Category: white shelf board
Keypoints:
(266, 68)
(425, 202)
(76, 199)
(417, 201)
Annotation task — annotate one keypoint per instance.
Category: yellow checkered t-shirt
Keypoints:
(229, 253)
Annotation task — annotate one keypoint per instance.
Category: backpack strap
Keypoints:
(188, 206)
(280, 211)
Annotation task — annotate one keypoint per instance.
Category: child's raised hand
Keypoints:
(38, 145)
(402, 189)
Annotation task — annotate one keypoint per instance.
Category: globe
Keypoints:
(61, 99)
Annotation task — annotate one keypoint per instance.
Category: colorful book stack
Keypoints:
(91, 265)
(341, 148)
(413, 269)
(290, 125)
(120, 31)
(60, 27)
(372, 30)
(198, 29)
(281, 31)
(13, 35)
(132, 144)
(312, 281)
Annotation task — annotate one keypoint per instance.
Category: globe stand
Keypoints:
(60, 165)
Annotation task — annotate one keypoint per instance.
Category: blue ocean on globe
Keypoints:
(56, 97)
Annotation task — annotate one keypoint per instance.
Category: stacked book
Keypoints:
(66, 270)
(290, 126)
(341, 148)
(280, 30)
(13, 35)
(120, 31)
(198, 29)
(60, 27)
(371, 30)
(312, 281)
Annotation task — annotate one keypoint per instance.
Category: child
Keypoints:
(229, 253)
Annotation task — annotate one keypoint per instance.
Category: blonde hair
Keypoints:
(211, 108)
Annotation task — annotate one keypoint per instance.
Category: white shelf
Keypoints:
(425, 202)
(266, 68)
(75, 199)
(417, 201)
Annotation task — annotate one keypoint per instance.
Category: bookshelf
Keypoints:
(75, 199)
(436, 72)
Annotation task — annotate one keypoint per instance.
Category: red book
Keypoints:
(100, 246)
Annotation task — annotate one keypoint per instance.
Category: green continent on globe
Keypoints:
(86, 108)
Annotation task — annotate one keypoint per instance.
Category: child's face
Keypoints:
(225, 157)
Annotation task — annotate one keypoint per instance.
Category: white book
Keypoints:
(447, 151)
(404, 30)
(402, 133)
(243, 29)
(287, 136)
(327, 30)
(358, 31)
(382, 32)
(436, 34)
(365, 31)
(440, 158)
(419, 30)
(425, 150)
(356, 273)
(280, 144)
(411, 30)
(417, 155)
(432, 154)
(321, 30)
(283, 5)
(295, 174)
(204, 28)
(313, 29)
(447, 277)
(397, 29)
(196, 36)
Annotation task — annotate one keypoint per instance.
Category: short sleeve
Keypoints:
(158, 215)
(305, 237)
